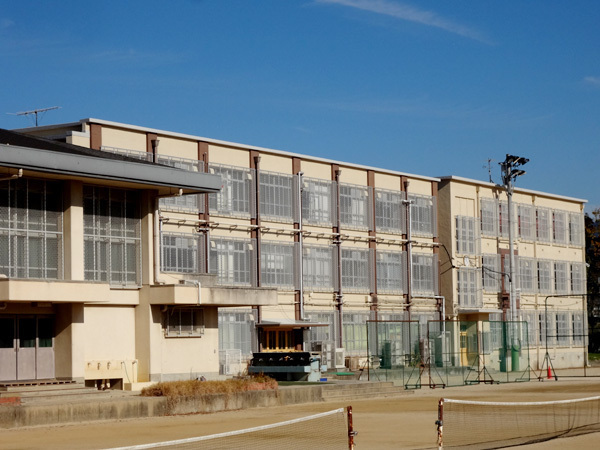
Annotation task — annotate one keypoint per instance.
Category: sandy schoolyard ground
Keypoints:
(405, 422)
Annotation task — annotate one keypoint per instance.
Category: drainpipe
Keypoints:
(19, 174)
(338, 242)
(300, 249)
(407, 203)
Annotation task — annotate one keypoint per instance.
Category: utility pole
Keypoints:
(510, 172)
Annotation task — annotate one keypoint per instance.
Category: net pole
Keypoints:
(351, 432)
(440, 424)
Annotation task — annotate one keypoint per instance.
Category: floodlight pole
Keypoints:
(509, 174)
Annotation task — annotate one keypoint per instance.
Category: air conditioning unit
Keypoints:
(340, 358)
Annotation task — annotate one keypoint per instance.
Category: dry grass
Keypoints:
(196, 388)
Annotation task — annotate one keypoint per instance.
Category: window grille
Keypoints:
(503, 219)
(320, 337)
(491, 273)
(183, 253)
(578, 285)
(423, 215)
(560, 277)
(577, 325)
(563, 328)
(355, 332)
(469, 293)
(31, 233)
(277, 264)
(237, 330)
(190, 202)
(183, 322)
(277, 197)
(112, 236)
(545, 283)
(489, 217)
(137, 154)
(355, 270)
(318, 265)
(576, 229)
(355, 206)
(543, 224)
(559, 221)
(547, 328)
(526, 222)
(531, 317)
(391, 272)
(467, 237)
(424, 274)
(390, 211)
(237, 195)
(318, 202)
(527, 275)
(191, 165)
(233, 261)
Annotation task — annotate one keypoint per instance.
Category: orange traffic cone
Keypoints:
(549, 373)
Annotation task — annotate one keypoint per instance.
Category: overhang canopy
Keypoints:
(42, 155)
(287, 324)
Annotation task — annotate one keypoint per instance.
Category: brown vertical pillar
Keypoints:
(95, 136)
(297, 168)
(151, 144)
(335, 176)
(372, 243)
(404, 187)
(436, 249)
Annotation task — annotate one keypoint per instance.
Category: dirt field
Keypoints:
(406, 422)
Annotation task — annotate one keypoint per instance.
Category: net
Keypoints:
(474, 425)
(326, 430)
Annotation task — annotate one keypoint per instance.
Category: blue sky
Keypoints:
(426, 87)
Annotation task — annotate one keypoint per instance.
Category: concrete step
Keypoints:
(36, 384)
(375, 392)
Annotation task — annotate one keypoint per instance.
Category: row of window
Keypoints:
(532, 275)
(278, 199)
(532, 223)
(233, 261)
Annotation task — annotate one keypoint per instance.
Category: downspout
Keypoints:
(19, 174)
(338, 242)
(300, 249)
(409, 296)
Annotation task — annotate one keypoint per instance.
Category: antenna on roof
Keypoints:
(34, 112)
(488, 166)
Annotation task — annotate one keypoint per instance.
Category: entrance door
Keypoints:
(45, 348)
(8, 349)
(26, 348)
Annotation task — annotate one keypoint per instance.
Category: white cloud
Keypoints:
(410, 13)
(595, 81)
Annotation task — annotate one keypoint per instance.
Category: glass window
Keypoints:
(183, 253)
(355, 332)
(318, 267)
(563, 328)
(318, 204)
(233, 261)
(576, 229)
(237, 330)
(489, 217)
(545, 284)
(277, 264)
(491, 273)
(560, 278)
(466, 235)
(391, 272)
(578, 285)
(355, 209)
(355, 270)
(31, 238)
(276, 196)
(559, 221)
(236, 197)
(184, 322)
(112, 230)
(423, 215)
(543, 224)
(527, 275)
(389, 211)
(424, 274)
(503, 219)
(526, 222)
(468, 288)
